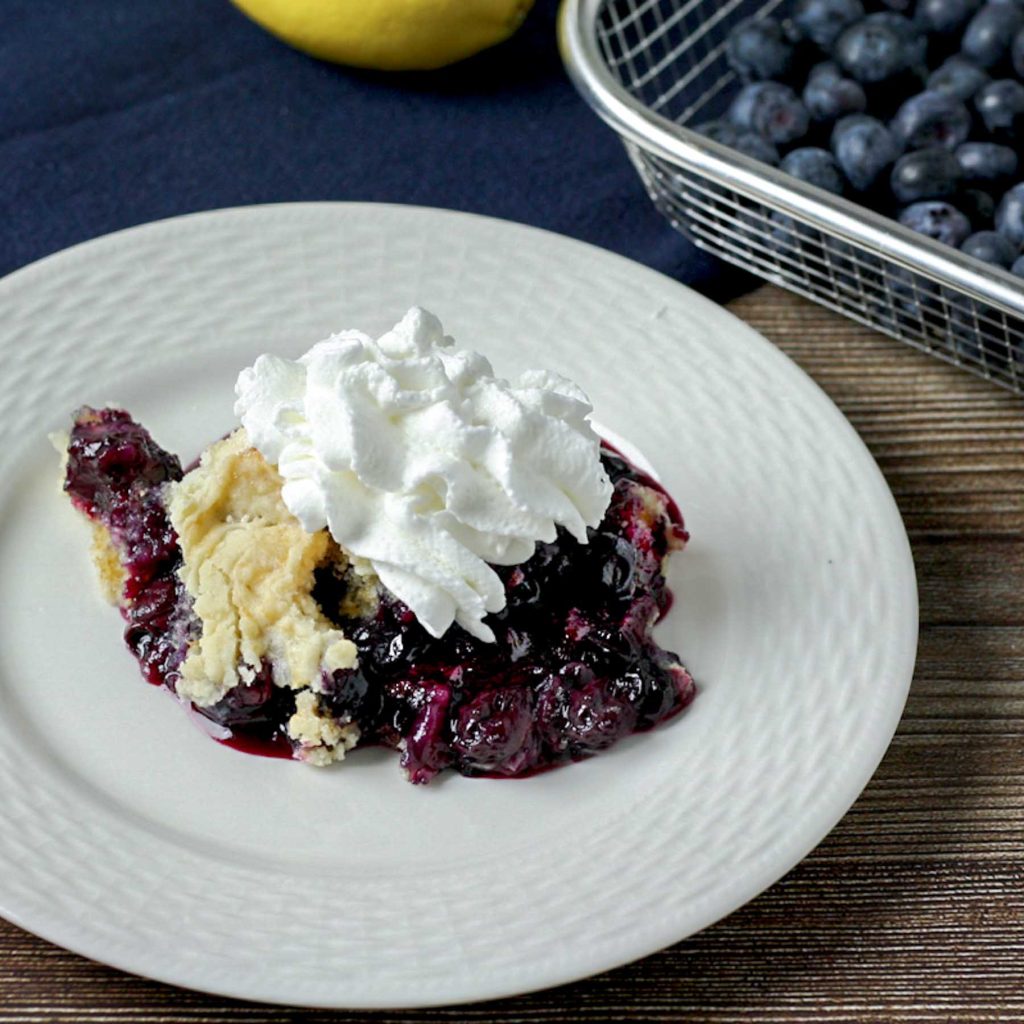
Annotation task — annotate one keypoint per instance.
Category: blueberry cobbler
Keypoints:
(395, 548)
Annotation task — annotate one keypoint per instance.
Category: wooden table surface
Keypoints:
(913, 908)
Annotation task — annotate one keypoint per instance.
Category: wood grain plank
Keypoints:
(912, 910)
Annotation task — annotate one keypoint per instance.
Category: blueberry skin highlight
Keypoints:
(986, 162)
(1000, 105)
(938, 220)
(925, 174)
(944, 17)
(864, 149)
(990, 32)
(932, 119)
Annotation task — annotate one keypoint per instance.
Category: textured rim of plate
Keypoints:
(653, 935)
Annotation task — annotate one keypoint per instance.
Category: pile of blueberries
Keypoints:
(914, 108)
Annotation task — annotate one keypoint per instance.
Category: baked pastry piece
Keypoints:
(290, 644)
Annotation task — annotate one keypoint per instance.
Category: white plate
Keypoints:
(128, 836)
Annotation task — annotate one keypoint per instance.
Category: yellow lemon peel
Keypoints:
(389, 35)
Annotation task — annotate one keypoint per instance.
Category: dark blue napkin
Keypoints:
(118, 112)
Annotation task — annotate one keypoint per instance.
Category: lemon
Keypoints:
(390, 35)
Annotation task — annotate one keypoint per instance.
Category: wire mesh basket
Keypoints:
(651, 67)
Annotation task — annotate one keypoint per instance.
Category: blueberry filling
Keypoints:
(573, 670)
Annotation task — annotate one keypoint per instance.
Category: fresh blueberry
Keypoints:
(821, 21)
(925, 174)
(825, 70)
(828, 96)
(984, 162)
(914, 41)
(958, 77)
(1017, 53)
(979, 206)
(937, 220)
(1017, 267)
(758, 50)
(944, 17)
(1010, 215)
(932, 119)
(872, 51)
(757, 148)
(990, 32)
(771, 110)
(864, 148)
(990, 247)
(1001, 106)
(743, 141)
(816, 167)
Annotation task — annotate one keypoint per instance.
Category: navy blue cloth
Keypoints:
(118, 112)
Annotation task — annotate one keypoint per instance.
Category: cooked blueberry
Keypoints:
(990, 32)
(937, 220)
(1001, 106)
(816, 167)
(759, 50)
(494, 732)
(578, 715)
(1017, 53)
(932, 173)
(649, 688)
(347, 692)
(256, 708)
(1010, 215)
(822, 21)
(958, 77)
(932, 119)
(828, 96)
(984, 162)
(771, 110)
(1017, 268)
(872, 51)
(428, 743)
(990, 247)
(944, 17)
(864, 148)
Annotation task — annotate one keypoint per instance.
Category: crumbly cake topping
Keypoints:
(322, 738)
(249, 567)
(108, 565)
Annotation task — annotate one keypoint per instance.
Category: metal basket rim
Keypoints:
(855, 224)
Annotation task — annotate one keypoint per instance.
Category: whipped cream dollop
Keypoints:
(422, 462)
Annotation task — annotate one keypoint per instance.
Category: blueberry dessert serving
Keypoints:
(913, 107)
(395, 548)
